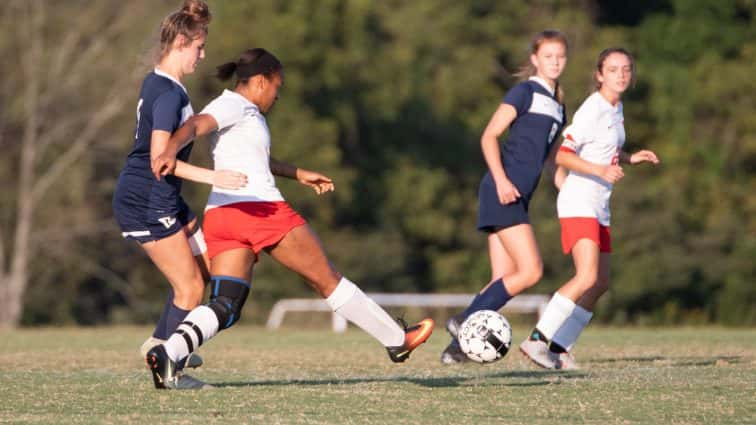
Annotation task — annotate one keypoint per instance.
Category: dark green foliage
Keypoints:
(390, 98)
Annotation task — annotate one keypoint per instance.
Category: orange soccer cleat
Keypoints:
(413, 337)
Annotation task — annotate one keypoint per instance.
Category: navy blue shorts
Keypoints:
(145, 218)
(492, 215)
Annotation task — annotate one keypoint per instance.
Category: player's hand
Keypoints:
(612, 174)
(507, 192)
(318, 182)
(163, 164)
(228, 179)
(644, 156)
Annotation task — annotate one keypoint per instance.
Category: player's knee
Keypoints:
(587, 282)
(227, 299)
(189, 295)
(533, 274)
(601, 286)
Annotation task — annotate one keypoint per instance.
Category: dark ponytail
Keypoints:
(226, 70)
(252, 62)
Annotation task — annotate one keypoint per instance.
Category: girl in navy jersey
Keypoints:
(240, 225)
(592, 152)
(533, 113)
(149, 210)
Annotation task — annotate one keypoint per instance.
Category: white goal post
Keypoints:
(519, 304)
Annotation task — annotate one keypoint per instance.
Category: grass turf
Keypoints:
(628, 376)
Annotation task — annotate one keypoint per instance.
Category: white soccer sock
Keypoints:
(199, 326)
(568, 334)
(351, 303)
(557, 312)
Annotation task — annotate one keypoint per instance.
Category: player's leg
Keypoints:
(589, 299)
(567, 335)
(540, 347)
(231, 273)
(172, 315)
(301, 251)
(590, 264)
(525, 270)
(173, 257)
(501, 265)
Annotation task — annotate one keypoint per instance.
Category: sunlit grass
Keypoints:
(642, 376)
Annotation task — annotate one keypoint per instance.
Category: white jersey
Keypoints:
(596, 134)
(241, 143)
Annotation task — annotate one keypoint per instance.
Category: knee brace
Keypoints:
(227, 299)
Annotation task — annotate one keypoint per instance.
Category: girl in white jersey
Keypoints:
(592, 152)
(238, 225)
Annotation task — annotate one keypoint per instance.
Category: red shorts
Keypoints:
(576, 228)
(251, 225)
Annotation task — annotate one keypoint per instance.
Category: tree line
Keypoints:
(389, 99)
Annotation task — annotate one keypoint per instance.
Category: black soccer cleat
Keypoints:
(413, 337)
(162, 367)
(453, 354)
(454, 323)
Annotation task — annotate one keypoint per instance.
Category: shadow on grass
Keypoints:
(538, 378)
(672, 361)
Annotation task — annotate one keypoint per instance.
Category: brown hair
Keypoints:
(252, 62)
(191, 21)
(602, 58)
(527, 70)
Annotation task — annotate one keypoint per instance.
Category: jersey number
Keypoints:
(139, 109)
(554, 128)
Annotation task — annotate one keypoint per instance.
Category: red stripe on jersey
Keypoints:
(569, 137)
(567, 149)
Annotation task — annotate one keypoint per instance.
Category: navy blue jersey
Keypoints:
(540, 119)
(140, 200)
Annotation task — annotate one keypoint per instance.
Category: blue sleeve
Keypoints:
(519, 96)
(166, 112)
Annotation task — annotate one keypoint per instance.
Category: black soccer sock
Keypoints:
(161, 332)
(556, 348)
(537, 335)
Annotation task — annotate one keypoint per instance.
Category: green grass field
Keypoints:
(643, 376)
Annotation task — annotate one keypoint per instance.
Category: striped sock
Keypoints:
(199, 326)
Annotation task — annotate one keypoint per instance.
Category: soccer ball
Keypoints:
(485, 336)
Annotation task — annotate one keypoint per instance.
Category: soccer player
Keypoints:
(240, 225)
(533, 112)
(592, 152)
(149, 210)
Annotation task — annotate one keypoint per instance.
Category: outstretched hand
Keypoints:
(644, 156)
(318, 182)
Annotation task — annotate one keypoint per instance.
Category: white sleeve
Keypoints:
(582, 128)
(226, 111)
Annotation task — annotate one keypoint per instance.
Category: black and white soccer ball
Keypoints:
(485, 336)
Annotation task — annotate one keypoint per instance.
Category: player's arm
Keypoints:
(164, 146)
(567, 158)
(557, 172)
(224, 179)
(318, 182)
(638, 157)
(489, 144)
